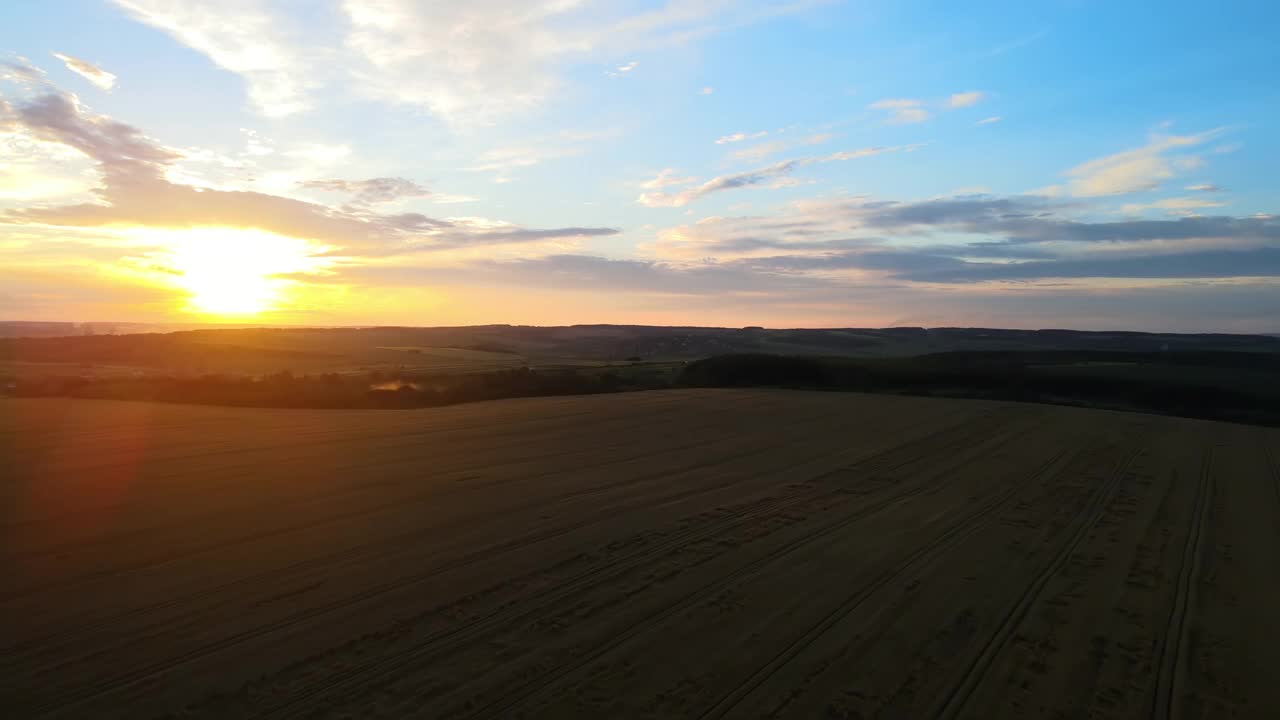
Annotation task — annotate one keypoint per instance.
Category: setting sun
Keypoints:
(236, 272)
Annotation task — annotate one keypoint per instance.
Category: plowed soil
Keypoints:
(699, 554)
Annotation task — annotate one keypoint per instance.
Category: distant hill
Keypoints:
(337, 349)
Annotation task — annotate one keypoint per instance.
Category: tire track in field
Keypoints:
(1171, 659)
(501, 707)
(953, 703)
(438, 491)
(1269, 458)
(434, 420)
(962, 433)
(399, 440)
(376, 548)
(433, 494)
(954, 535)
(77, 697)
(394, 438)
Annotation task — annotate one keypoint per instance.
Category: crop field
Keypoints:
(676, 553)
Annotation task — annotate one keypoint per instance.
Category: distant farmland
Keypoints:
(676, 553)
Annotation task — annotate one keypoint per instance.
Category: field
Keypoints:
(675, 553)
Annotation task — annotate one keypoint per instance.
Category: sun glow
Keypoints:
(237, 272)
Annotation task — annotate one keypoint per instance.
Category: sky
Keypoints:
(790, 163)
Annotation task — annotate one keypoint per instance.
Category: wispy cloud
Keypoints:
(373, 190)
(94, 74)
(1203, 187)
(965, 99)
(1016, 238)
(1142, 168)
(246, 38)
(770, 174)
(21, 72)
(1183, 206)
(763, 150)
(505, 160)
(136, 193)
(706, 90)
(989, 120)
(667, 178)
(902, 110)
(739, 137)
(468, 63)
(623, 69)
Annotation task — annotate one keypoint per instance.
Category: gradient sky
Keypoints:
(1095, 165)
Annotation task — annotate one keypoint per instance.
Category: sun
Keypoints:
(235, 272)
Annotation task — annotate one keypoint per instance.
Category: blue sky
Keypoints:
(1049, 164)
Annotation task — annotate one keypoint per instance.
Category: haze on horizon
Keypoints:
(1099, 165)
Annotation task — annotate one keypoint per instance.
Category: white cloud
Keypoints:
(22, 73)
(371, 191)
(1182, 206)
(94, 74)
(503, 160)
(902, 110)
(446, 199)
(1139, 169)
(1203, 187)
(666, 178)
(466, 62)
(763, 150)
(965, 99)
(739, 137)
(244, 37)
(135, 192)
(760, 151)
(771, 176)
(706, 90)
(988, 121)
(623, 69)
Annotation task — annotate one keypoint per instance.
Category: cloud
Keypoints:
(1176, 205)
(589, 273)
(739, 137)
(502, 161)
(763, 150)
(465, 62)
(135, 193)
(21, 72)
(665, 178)
(965, 99)
(988, 121)
(479, 61)
(374, 190)
(1017, 238)
(717, 184)
(94, 74)
(1139, 169)
(706, 90)
(902, 110)
(1261, 262)
(760, 176)
(623, 69)
(243, 37)
(1203, 187)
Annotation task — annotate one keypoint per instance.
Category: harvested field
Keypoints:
(702, 554)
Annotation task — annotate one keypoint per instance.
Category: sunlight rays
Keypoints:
(235, 272)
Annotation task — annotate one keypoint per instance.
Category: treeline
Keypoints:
(331, 390)
(1174, 390)
(1234, 386)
